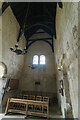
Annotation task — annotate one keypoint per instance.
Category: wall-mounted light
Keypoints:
(18, 51)
(60, 68)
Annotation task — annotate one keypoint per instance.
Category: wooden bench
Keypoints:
(33, 97)
(18, 104)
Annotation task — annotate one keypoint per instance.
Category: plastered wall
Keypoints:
(46, 74)
(0, 34)
(66, 54)
(9, 31)
(78, 59)
(18, 65)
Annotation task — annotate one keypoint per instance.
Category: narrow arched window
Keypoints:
(35, 59)
(42, 59)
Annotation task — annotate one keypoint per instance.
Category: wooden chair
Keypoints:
(39, 98)
(20, 96)
(25, 97)
(46, 99)
(38, 107)
(31, 97)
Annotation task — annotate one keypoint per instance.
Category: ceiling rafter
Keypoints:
(36, 27)
(34, 16)
(60, 4)
(24, 23)
(4, 7)
(51, 44)
(50, 38)
(41, 25)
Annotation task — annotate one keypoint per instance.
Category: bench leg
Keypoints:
(47, 111)
(7, 107)
(26, 110)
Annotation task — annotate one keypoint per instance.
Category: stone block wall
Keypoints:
(66, 55)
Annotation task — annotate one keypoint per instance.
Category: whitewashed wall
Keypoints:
(66, 45)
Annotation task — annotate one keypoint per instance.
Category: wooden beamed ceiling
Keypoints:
(32, 16)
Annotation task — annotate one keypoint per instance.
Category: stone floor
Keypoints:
(54, 112)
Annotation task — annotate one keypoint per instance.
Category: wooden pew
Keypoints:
(33, 97)
(26, 103)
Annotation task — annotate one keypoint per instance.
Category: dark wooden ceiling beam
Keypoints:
(49, 13)
(40, 19)
(60, 4)
(4, 7)
(39, 24)
(47, 23)
(20, 33)
(40, 32)
(41, 39)
(22, 30)
(29, 32)
(33, 17)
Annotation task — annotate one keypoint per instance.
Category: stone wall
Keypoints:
(0, 34)
(18, 65)
(44, 74)
(10, 31)
(8, 38)
(79, 59)
(66, 55)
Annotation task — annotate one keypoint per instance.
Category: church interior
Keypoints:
(39, 60)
